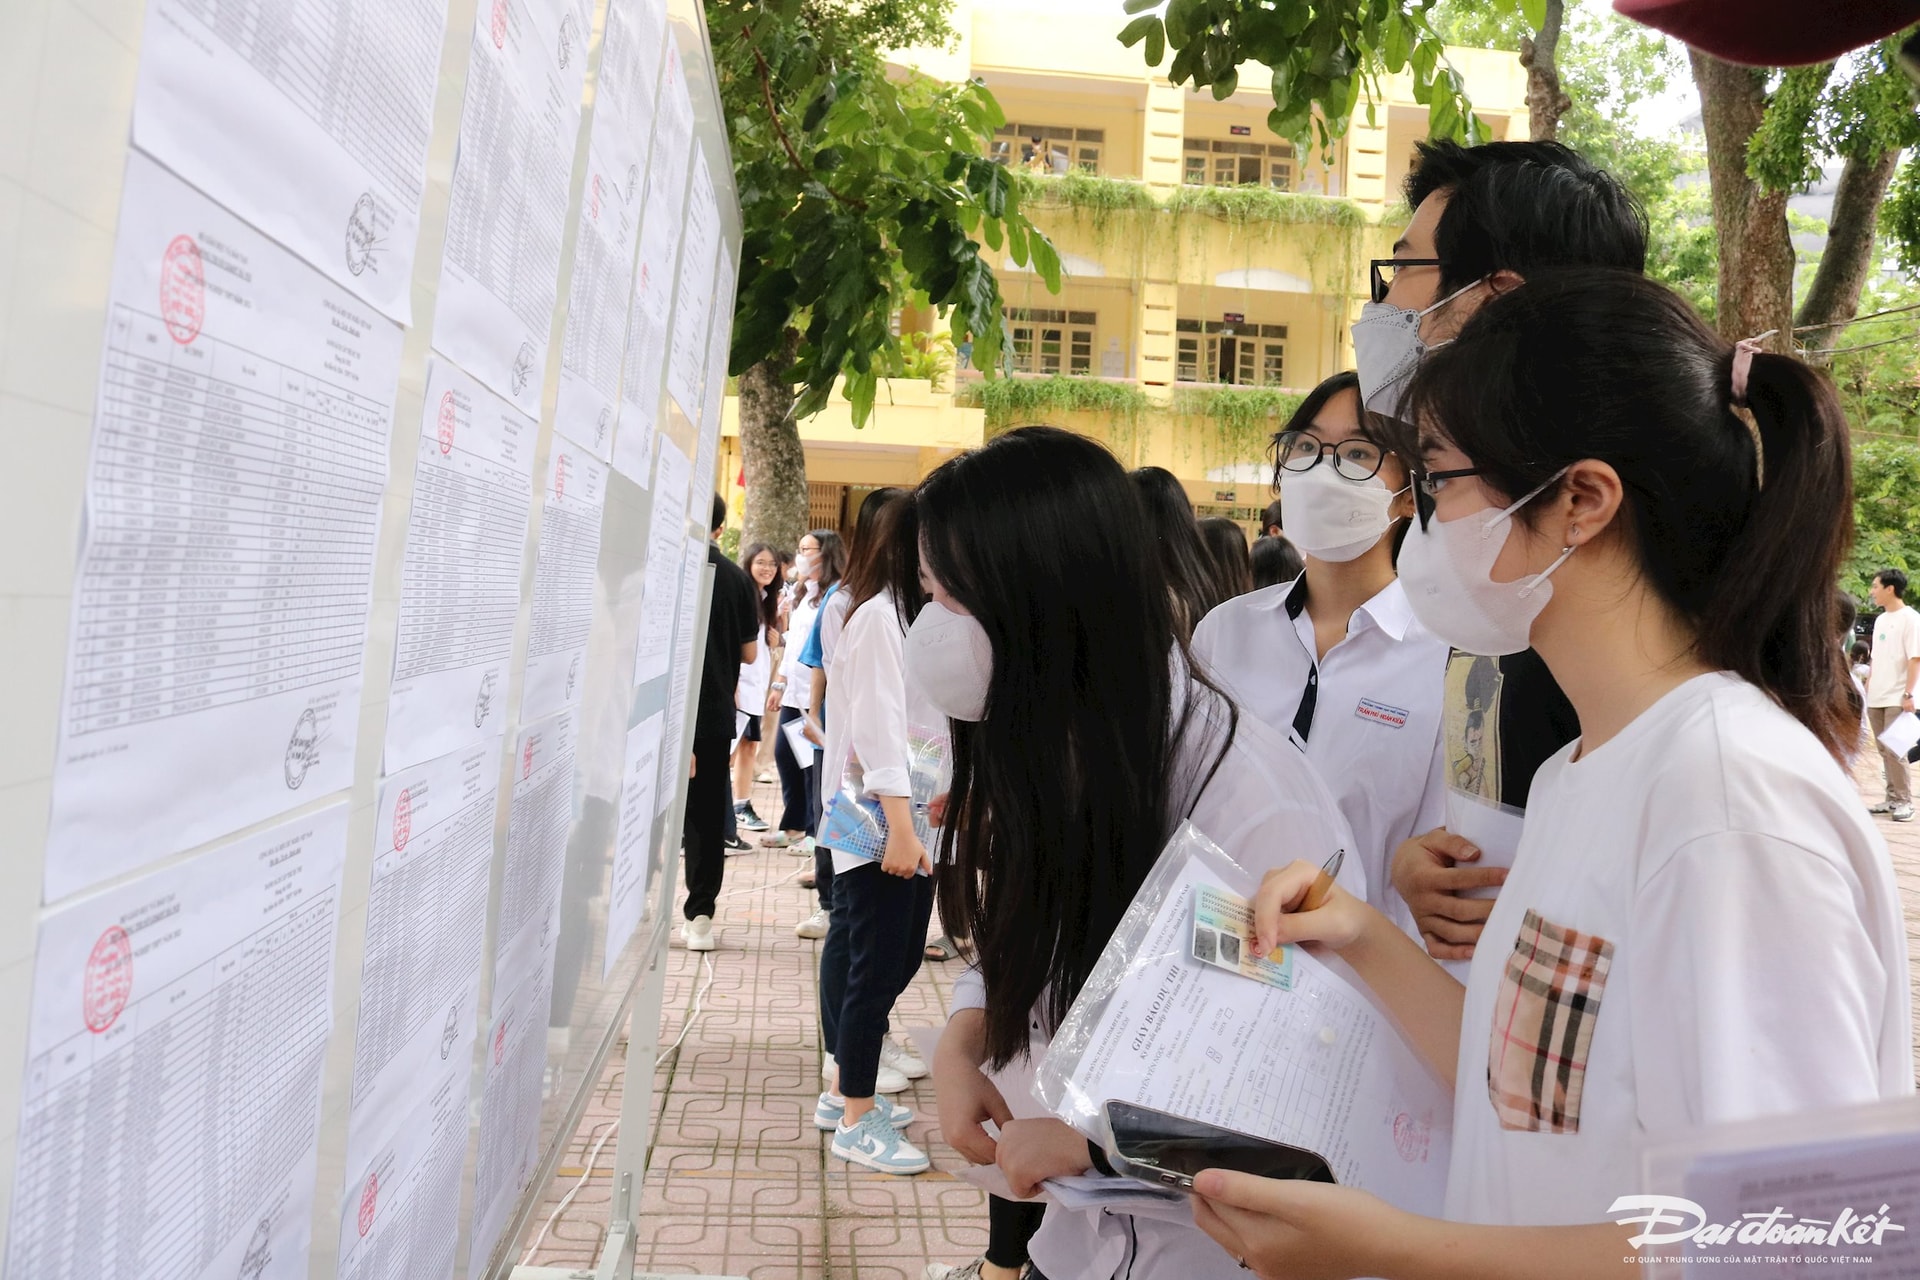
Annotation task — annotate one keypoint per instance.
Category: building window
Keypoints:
(1247, 355)
(1051, 341)
(1049, 148)
(1221, 162)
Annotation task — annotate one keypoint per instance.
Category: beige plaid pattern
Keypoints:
(1543, 1026)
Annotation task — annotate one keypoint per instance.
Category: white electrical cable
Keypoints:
(593, 1157)
(771, 884)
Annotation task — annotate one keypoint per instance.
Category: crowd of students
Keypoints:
(1558, 666)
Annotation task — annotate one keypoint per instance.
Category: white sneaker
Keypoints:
(875, 1144)
(1902, 813)
(827, 1112)
(698, 933)
(815, 926)
(886, 1080)
(905, 1061)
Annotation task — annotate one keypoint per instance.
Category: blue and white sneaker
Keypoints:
(877, 1145)
(827, 1112)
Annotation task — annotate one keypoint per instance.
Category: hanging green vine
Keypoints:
(1016, 402)
(1244, 418)
(1245, 206)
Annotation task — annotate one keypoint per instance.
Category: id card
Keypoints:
(1223, 938)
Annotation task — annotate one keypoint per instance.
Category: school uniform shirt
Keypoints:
(799, 683)
(870, 705)
(1701, 927)
(1369, 712)
(825, 641)
(750, 695)
(1896, 643)
(1264, 810)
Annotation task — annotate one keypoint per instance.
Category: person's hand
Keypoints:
(905, 856)
(812, 732)
(1295, 1230)
(1277, 918)
(1031, 1151)
(967, 1099)
(1428, 875)
(937, 810)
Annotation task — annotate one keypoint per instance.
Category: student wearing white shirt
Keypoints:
(1894, 670)
(817, 569)
(1595, 493)
(762, 564)
(1336, 655)
(1079, 746)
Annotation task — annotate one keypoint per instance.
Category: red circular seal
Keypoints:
(596, 198)
(402, 819)
(444, 433)
(526, 760)
(560, 477)
(109, 978)
(369, 1202)
(183, 290)
(1412, 1138)
(499, 1044)
(499, 24)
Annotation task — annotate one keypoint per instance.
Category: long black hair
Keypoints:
(1065, 793)
(1740, 529)
(874, 563)
(1188, 570)
(1226, 544)
(833, 558)
(768, 601)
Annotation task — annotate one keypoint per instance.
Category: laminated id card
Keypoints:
(1223, 938)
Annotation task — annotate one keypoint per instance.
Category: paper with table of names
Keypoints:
(309, 119)
(511, 182)
(419, 996)
(693, 295)
(693, 564)
(643, 366)
(563, 580)
(1316, 1066)
(660, 596)
(233, 506)
(460, 580)
(537, 829)
(509, 1146)
(714, 393)
(619, 139)
(171, 1106)
(632, 845)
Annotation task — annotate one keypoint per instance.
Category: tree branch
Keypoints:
(780, 131)
(1834, 294)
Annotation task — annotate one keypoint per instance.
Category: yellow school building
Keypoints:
(1210, 269)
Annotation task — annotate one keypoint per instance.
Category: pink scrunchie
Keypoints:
(1743, 353)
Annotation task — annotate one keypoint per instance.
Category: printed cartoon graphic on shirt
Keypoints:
(1472, 726)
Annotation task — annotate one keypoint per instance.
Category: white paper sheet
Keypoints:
(460, 583)
(1316, 1066)
(673, 758)
(171, 1104)
(633, 846)
(1902, 734)
(233, 505)
(1491, 828)
(643, 365)
(309, 119)
(563, 581)
(693, 294)
(620, 138)
(660, 597)
(798, 741)
(518, 131)
(537, 828)
(400, 1215)
(714, 390)
(509, 1147)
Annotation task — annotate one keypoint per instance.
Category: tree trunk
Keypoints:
(1546, 102)
(776, 464)
(1834, 296)
(1755, 286)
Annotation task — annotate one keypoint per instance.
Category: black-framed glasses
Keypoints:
(1428, 484)
(1382, 271)
(1354, 459)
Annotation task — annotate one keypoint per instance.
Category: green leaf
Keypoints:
(1156, 49)
(1140, 6)
(1136, 31)
(1046, 260)
(1398, 45)
(1535, 12)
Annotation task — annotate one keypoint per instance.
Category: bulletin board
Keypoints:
(361, 390)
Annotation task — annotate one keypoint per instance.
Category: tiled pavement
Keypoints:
(739, 1182)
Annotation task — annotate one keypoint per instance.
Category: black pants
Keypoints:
(875, 944)
(823, 875)
(1011, 1224)
(799, 788)
(709, 805)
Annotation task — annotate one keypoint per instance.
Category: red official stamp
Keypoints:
(499, 24)
(183, 290)
(447, 415)
(109, 979)
(594, 208)
(560, 477)
(499, 1044)
(369, 1203)
(526, 761)
(402, 819)
(1412, 1138)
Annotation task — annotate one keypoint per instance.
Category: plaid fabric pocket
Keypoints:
(1543, 1026)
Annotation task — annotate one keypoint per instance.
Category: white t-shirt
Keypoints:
(799, 679)
(1713, 885)
(1896, 643)
(750, 695)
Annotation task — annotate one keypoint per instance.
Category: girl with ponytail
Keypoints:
(1701, 924)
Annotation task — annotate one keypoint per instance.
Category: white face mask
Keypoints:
(950, 659)
(1331, 517)
(1446, 567)
(802, 566)
(1387, 349)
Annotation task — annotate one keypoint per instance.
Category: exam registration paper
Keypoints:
(232, 513)
(171, 1107)
(632, 845)
(564, 577)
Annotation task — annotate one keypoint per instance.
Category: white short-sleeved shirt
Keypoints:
(870, 707)
(1701, 927)
(750, 695)
(1376, 713)
(1896, 643)
(799, 681)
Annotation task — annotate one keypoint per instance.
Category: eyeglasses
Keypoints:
(1354, 459)
(1383, 271)
(1428, 484)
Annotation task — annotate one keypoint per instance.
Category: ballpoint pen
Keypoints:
(1322, 887)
